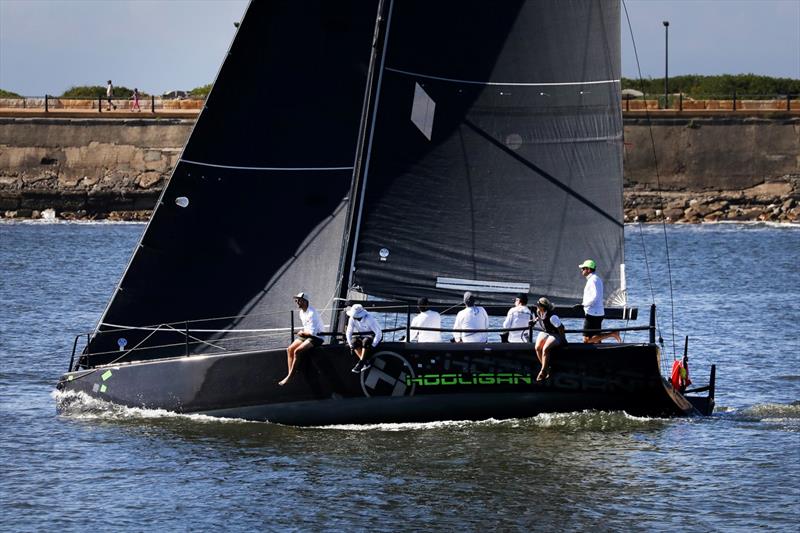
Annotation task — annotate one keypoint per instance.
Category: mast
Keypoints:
(347, 258)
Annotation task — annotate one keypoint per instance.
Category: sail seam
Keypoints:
(510, 83)
(263, 168)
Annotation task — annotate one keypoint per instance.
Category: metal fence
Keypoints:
(714, 102)
(101, 104)
(675, 102)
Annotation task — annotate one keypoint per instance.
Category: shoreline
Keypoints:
(776, 200)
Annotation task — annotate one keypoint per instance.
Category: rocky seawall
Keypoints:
(708, 168)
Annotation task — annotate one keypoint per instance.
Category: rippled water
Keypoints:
(736, 292)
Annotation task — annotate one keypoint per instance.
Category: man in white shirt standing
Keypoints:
(307, 337)
(363, 335)
(110, 95)
(427, 318)
(593, 305)
(472, 317)
(518, 316)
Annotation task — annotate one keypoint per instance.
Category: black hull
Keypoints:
(408, 383)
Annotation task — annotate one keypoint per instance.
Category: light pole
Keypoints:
(666, 64)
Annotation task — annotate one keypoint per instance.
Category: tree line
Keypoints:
(721, 86)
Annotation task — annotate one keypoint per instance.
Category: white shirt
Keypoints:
(426, 319)
(366, 324)
(109, 90)
(593, 296)
(312, 322)
(518, 317)
(472, 318)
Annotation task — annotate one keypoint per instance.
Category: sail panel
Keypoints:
(266, 173)
(521, 178)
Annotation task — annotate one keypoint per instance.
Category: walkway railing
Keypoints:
(678, 102)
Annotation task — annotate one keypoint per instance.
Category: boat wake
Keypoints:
(81, 406)
(785, 415)
(576, 421)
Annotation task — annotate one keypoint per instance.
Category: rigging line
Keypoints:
(658, 180)
(160, 328)
(288, 169)
(542, 173)
(502, 83)
(186, 332)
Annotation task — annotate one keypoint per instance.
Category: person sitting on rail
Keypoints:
(518, 316)
(471, 317)
(307, 337)
(363, 334)
(427, 318)
(552, 336)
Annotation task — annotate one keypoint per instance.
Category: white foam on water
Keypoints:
(584, 420)
(81, 406)
(415, 426)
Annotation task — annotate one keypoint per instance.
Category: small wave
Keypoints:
(766, 412)
(81, 406)
(583, 421)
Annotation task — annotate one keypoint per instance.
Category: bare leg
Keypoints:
(539, 348)
(548, 347)
(291, 353)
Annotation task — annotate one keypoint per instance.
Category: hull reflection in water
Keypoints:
(407, 383)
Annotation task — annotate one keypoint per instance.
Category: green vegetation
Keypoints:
(719, 87)
(200, 92)
(8, 94)
(99, 91)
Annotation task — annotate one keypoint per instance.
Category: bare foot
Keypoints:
(283, 381)
(615, 335)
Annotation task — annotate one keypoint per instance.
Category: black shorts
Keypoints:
(362, 342)
(315, 341)
(592, 322)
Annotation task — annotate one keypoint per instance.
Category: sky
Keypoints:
(47, 46)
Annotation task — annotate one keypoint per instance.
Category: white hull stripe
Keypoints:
(289, 169)
(481, 286)
(507, 84)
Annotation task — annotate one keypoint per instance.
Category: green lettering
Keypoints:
(449, 379)
(486, 379)
(430, 379)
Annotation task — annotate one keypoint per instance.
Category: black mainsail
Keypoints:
(495, 158)
(255, 208)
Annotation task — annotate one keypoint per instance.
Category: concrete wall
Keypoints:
(721, 153)
(97, 165)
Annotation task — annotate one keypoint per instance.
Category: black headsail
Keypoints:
(255, 208)
(495, 157)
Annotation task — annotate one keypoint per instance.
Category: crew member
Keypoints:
(307, 337)
(593, 305)
(552, 336)
(363, 335)
(427, 318)
(518, 316)
(471, 317)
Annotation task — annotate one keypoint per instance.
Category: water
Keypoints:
(736, 289)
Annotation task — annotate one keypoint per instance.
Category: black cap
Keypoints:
(523, 298)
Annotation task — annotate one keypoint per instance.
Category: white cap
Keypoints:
(303, 295)
(356, 311)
